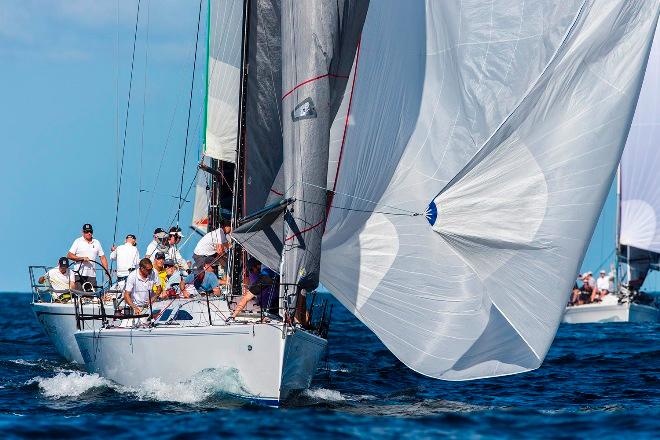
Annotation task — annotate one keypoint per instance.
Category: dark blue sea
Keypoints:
(598, 381)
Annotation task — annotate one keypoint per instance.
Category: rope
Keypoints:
(128, 107)
(411, 213)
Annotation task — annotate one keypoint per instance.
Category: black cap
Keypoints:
(175, 230)
(87, 228)
(131, 236)
(63, 262)
(158, 231)
(169, 262)
(159, 256)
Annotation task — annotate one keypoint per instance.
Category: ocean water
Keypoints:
(597, 381)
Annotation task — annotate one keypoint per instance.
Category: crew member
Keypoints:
(85, 250)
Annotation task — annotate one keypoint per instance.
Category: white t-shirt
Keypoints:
(91, 250)
(127, 257)
(151, 249)
(603, 283)
(175, 255)
(140, 288)
(59, 280)
(208, 243)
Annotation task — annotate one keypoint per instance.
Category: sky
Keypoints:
(64, 82)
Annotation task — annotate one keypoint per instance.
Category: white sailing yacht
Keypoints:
(439, 215)
(638, 214)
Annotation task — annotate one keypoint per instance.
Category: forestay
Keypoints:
(640, 179)
(486, 136)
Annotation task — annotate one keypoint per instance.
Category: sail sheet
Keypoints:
(640, 165)
(486, 136)
(224, 61)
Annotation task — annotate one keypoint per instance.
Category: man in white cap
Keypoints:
(173, 253)
(158, 244)
(603, 284)
(85, 250)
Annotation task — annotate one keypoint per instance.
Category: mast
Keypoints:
(235, 266)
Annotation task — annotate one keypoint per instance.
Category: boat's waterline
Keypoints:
(272, 360)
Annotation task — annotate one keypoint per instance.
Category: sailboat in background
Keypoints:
(453, 213)
(638, 214)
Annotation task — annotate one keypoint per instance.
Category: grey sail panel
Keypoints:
(264, 97)
(319, 39)
(262, 236)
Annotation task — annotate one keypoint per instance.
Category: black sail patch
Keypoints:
(304, 110)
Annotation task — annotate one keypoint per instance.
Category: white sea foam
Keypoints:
(333, 395)
(24, 362)
(200, 387)
(324, 394)
(69, 384)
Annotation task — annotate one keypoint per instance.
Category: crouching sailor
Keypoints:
(142, 287)
(61, 279)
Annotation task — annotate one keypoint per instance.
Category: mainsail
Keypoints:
(483, 140)
(640, 180)
(223, 82)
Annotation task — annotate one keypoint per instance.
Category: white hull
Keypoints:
(271, 360)
(599, 312)
(58, 320)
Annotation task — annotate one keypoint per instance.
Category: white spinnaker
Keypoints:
(524, 107)
(225, 20)
(640, 165)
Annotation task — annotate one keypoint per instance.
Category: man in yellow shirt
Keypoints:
(159, 268)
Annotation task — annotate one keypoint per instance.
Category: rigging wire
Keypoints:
(128, 107)
(192, 88)
(144, 107)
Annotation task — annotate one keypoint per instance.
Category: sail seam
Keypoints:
(327, 75)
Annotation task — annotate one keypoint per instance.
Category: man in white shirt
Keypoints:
(158, 244)
(85, 250)
(603, 284)
(127, 257)
(60, 278)
(212, 247)
(142, 286)
(173, 253)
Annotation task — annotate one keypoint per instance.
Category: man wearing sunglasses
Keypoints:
(85, 250)
(142, 287)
